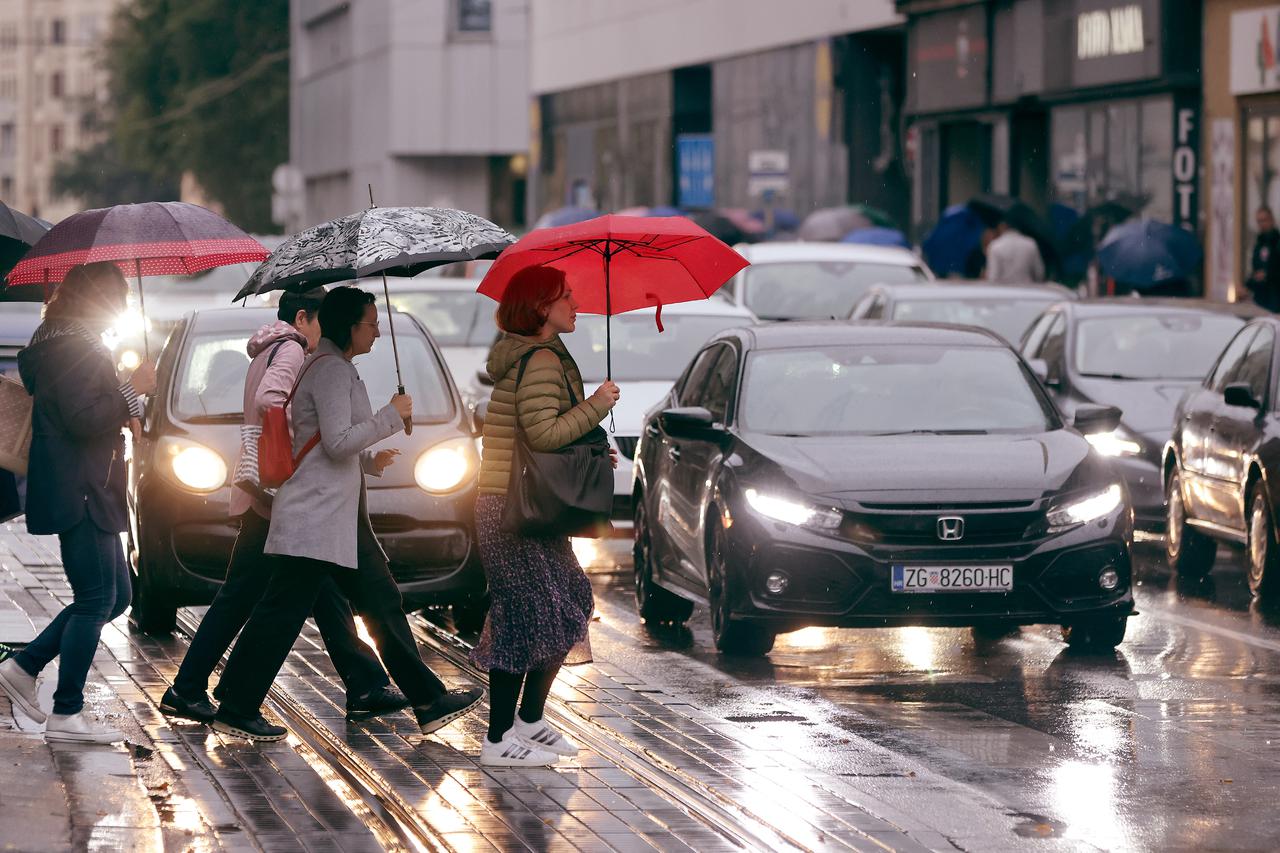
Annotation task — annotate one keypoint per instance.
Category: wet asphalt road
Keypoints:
(1172, 743)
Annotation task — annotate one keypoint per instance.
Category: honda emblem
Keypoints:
(950, 528)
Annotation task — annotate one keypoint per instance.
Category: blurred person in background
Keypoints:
(1264, 264)
(1013, 257)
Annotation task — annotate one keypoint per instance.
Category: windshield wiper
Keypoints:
(934, 432)
(1119, 376)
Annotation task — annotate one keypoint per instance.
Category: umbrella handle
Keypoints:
(408, 422)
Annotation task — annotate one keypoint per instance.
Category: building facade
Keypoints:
(653, 103)
(51, 88)
(425, 101)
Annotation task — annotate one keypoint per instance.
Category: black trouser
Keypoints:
(248, 575)
(275, 624)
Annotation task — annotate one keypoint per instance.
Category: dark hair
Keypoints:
(87, 290)
(342, 308)
(523, 309)
(291, 303)
(1267, 209)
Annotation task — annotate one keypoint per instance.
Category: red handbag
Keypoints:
(276, 462)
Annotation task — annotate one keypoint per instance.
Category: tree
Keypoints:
(203, 86)
(100, 176)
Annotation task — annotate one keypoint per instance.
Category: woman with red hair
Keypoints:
(541, 598)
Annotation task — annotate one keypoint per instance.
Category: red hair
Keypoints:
(529, 293)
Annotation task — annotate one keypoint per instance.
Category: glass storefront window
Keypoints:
(1156, 157)
(1261, 170)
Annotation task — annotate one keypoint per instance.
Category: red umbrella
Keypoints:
(153, 238)
(623, 263)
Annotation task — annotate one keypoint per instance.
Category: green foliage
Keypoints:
(203, 86)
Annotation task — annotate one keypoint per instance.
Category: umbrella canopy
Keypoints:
(784, 218)
(18, 233)
(956, 236)
(744, 219)
(878, 217)
(565, 216)
(878, 237)
(402, 241)
(153, 238)
(830, 224)
(665, 210)
(719, 226)
(993, 209)
(1145, 253)
(622, 263)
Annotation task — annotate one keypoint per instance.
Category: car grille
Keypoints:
(627, 445)
(917, 524)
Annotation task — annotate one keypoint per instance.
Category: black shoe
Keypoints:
(447, 708)
(251, 728)
(201, 710)
(375, 703)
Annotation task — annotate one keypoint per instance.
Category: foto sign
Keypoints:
(1186, 162)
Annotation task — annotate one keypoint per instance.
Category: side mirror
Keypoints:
(483, 377)
(1240, 394)
(478, 415)
(692, 423)
(1090, 419)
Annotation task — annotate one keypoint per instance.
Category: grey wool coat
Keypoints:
(317, 512)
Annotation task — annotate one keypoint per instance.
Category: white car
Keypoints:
(645, 365)
(817, 281)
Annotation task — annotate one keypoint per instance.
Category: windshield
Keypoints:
(455, 318)
(817, 290)
(1008, 318)
(890, 390)
(640, 353)
(213, 368)
(1168, 346)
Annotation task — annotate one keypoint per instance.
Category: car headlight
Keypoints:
(790, 511)
(1115, 442)
(194, 466)
(1086, 509)
(446, 466)
(129, 359)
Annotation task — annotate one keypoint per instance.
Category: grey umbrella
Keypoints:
(830, 224)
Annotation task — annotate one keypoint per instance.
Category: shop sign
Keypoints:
(948, 59)
(769, 173)
(1186, 162)
(1114, 41)
(1255, 51)
(696, 155)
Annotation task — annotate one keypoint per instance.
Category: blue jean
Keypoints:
(100, 587)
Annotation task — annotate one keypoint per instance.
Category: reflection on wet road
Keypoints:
(1170, 743)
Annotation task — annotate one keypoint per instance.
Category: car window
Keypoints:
(640, 352)
(718, 394)
(210, 376)
(691, 392)
(1255, 370)
(817, 290)
(455, 318)
(1177, 346)
(1051, 348)
(1008, 318)
(1036, 335)
(1231, 358)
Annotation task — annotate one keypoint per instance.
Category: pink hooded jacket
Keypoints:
(266, 386)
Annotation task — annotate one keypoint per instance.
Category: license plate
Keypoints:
(951, 578)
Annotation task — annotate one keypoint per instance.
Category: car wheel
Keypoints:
(1190, 553)
(1263, 552)
(654, 604)
(1099, 634)
(732, 636)
(469, 615)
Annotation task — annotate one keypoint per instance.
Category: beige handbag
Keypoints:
(15, 426)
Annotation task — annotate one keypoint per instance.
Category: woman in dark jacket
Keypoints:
(76, 488)
(541, 598)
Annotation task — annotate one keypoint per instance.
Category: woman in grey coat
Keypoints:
(320, 525)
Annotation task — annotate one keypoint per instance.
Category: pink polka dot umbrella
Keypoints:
(152, 238)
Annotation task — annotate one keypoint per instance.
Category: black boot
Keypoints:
(254, 728)
(200, 710)
(375, 703)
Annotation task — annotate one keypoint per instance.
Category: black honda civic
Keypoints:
(855, 475)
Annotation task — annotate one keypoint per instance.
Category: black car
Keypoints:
(180, 534)
(1141, 356)
(1006, 309)
(876, 475)
(1221, 465)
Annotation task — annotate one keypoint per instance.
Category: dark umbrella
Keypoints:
(623, 263)
(401, 241)
(992, 209)
(878, 217)
(1146, 253)
(18, 233)
(719, 226)
(152, 238)
(956, 236)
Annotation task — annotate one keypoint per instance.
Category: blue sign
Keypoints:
(696, 156)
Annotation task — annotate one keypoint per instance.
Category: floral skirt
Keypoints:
(541, 600)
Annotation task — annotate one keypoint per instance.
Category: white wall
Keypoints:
(578, 42)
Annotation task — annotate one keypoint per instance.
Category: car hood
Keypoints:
(945, 467)
(1147, 407)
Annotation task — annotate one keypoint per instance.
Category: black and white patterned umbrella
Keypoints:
(401, 241)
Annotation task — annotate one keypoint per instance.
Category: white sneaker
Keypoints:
(21, 689)
(79, 728)
(541, 735)
(512, 751)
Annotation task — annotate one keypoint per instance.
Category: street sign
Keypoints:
(769, 173)
(696, 156)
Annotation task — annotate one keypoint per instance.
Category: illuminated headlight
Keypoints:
(1114, 443)
(130, 324)
(446, 466)
(793, 512)
(1086, 509)
(129, 359)
(194, 466)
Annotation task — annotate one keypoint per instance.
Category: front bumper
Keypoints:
(841, 583)
(186, 542)
(1143, 479)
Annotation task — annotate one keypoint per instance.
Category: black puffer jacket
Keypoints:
(77, 448)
